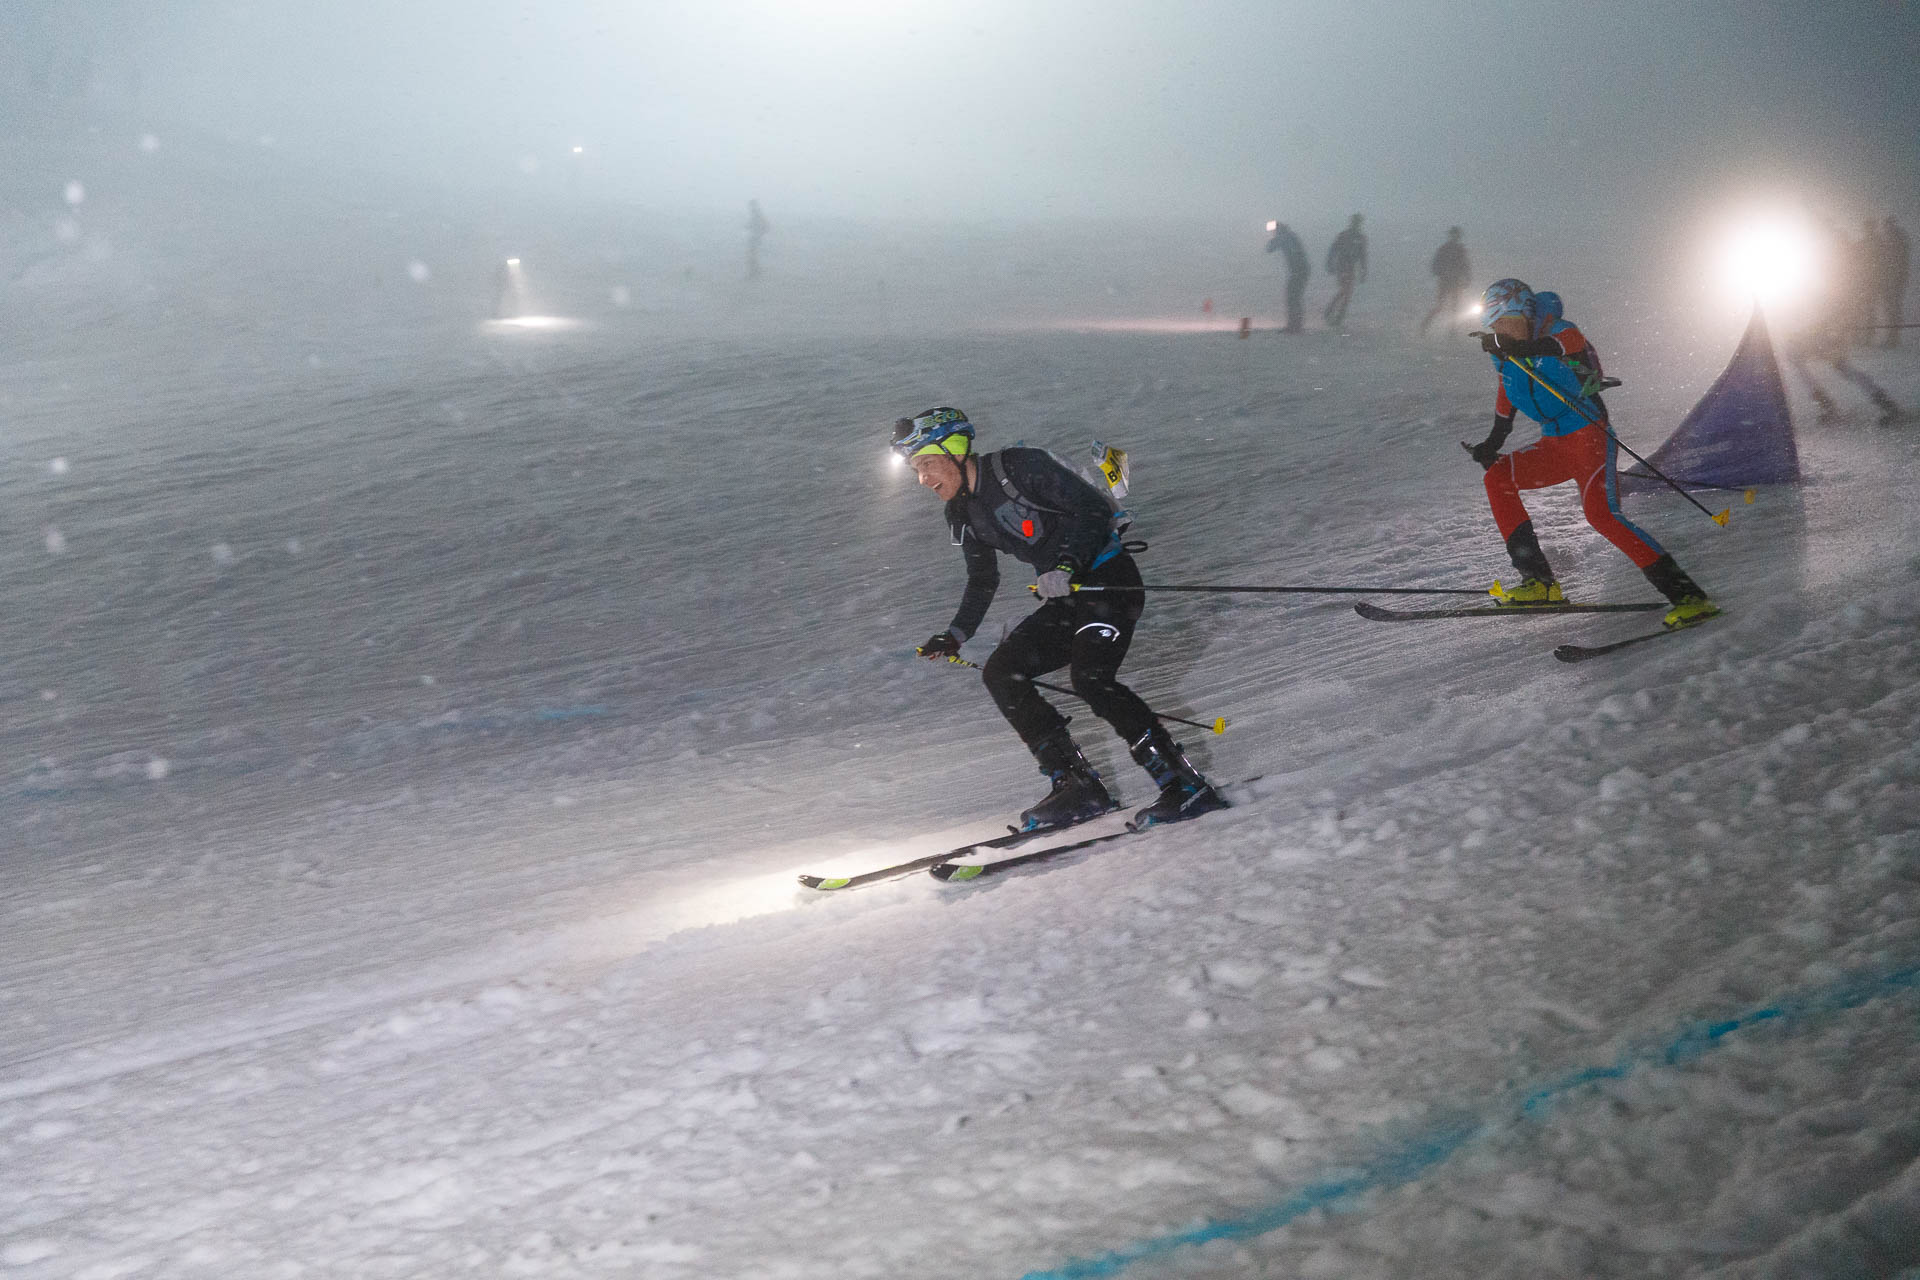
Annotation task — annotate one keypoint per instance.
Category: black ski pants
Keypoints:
(1088, 633)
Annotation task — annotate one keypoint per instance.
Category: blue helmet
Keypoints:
(1547, 308)
(941, 430)
(1507, 297)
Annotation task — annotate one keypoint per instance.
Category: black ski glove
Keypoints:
(1490, 343)
(941, 644)
(1487, 452)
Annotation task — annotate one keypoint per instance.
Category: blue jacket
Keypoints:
(1569, 365)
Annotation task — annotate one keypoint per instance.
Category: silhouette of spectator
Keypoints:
(1346, 262)
(1863, 259)
(757, 228)
(1896, 260)
(1450, 269)
(1284, 241)
(1834, 327)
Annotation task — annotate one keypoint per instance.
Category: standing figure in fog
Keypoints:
(1896, 261)
(757, 228)
(1346, 262)
(1846, 305)
(1450, 270)
(1286, 243)
(1024, 503)
(1550, 372)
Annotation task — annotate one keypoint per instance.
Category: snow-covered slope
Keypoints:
(410, 730)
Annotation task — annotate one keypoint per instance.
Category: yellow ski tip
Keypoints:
(1497, 591)
(1723, 517)
(1220, 725)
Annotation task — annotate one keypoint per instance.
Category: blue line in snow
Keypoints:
(1405, 1162)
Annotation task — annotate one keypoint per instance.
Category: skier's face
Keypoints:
(939, 473)
(1515, 327)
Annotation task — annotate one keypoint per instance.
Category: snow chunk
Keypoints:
(1623, 784)
(1235, 975)
(1247, 1101)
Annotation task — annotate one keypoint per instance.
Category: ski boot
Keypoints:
(1529, 593)
(1077, 794)
(1537, 583)
(1690, 603)
(1183, 792)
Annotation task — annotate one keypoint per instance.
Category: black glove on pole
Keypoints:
(941, 644)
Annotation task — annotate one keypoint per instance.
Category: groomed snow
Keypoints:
(411, 731)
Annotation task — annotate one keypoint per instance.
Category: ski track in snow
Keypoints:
(407, 760)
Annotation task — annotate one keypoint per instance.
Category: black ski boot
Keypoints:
(1523, 548)
(1077, 791)
(1690, 603)
(1183, 792)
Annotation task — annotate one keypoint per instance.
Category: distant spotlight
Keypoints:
(1771, 260)
(1273, 225)
(578, 150)
(513, 262)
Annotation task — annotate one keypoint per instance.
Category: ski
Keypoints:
(1582, 652)
(1377, 614)
(1013, 839)
(959, 871)
(953, 871)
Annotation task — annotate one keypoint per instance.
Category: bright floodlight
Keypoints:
(513, 262)
(1273, 225)
(1771, 260)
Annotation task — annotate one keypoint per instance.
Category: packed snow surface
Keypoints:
(412, 728)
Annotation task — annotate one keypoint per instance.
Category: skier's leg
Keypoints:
(1103, 631)
(1600, 496)
(1537, 466)
(1042, 643)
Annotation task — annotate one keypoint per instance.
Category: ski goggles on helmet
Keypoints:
(1507, 297)
(945, 431)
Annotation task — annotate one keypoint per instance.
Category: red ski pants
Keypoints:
(1585, 457)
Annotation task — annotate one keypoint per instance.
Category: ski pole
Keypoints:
(1592, 421)
(1218, 726)
(1316, 591)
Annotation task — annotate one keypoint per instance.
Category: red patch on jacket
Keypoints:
(1026, 527)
